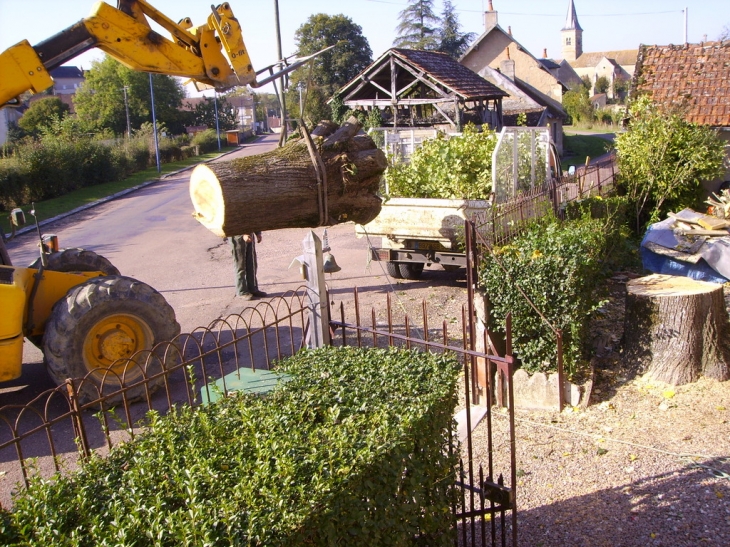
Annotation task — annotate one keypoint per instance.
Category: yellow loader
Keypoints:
(73, 304)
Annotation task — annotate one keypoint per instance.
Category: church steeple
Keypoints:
(572, 35)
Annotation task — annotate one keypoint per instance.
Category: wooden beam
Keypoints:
(420, 77)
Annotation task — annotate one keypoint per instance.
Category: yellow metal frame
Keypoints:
(213, 54)
(15, 323)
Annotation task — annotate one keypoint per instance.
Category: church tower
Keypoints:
(572, 35)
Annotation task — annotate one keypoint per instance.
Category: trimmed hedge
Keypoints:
(206, 141)
(352, 450)
(559, 266)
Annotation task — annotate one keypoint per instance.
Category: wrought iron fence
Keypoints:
(56, 432)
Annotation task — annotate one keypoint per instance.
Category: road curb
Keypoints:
(112, 197)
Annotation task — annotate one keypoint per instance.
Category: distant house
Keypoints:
(598, 100)
(497, 50)
(415, 88)
(693, 77)
(243, 107)
(67, 79)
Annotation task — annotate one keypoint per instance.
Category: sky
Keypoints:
(536, 24)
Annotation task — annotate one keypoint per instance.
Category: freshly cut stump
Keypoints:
(282, 188)
(676, 328)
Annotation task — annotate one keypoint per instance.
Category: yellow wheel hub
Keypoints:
(110, 344)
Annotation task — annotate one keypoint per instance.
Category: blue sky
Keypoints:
(536, 24)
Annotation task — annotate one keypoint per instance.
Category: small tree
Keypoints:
(662, 160)
(602, 85)
(418, 26)
(577, 104)
(453, 42)
(42, 114)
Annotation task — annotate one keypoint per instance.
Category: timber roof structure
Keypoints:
(695, 77)
(416, 77)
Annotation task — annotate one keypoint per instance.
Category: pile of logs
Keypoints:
(328, 178)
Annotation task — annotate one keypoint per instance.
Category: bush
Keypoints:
(559, 267)
(455, 168)
(353, 450)
(207, 141)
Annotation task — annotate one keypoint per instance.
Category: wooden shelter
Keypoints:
(424, 88)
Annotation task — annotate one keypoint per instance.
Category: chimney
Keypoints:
(490, 17)
(509, 30)
(544, 53)
(507, 67)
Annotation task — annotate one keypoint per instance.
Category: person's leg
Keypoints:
(238, 252)
(251, 283)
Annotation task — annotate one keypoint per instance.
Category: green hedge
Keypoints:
(353, 450)
(207, 141)
(559, 265)
(459, 167)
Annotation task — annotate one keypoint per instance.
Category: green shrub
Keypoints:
(559, 266)
(207, 141)
(353, 450)
(456, 168)
(13, 183)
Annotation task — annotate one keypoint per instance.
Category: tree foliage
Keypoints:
(418, 27)
(602, 85)
(577, 104)
(42, 114)
(453, 42)
(662, 160)
(321, 78)
(205, 112)
(100, 99)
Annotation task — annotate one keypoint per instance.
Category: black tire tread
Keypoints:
(64, 335)
(77, 260)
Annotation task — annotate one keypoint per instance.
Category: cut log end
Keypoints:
(295, 186)
(207, 198)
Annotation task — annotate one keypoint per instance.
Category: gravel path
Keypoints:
(643, 465)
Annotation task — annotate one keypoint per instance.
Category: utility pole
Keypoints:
(126, 109)
(282, 100)
(685, 24)
(217, 126)
(154, 126)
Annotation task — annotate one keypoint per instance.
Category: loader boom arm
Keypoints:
(212, 54)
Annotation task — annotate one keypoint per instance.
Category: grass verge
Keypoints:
(577, 147)
(83, 196)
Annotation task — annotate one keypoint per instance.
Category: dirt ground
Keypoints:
(644, 464)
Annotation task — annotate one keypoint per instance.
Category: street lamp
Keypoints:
(217, 127)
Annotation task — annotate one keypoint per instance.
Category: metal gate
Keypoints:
(55, 433)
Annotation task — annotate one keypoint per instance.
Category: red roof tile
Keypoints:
(694, 76)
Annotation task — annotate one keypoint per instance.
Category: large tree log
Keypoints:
(676, 328)
(281, 189)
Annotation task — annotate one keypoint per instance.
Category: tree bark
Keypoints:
(281, 188)
(676, 329)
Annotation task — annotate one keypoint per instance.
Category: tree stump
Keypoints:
(287, 188)
(676, 328)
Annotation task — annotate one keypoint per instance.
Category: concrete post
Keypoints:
(319, 317)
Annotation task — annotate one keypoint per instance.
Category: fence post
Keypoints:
(77, 420)
(561, 372)
(319, 317)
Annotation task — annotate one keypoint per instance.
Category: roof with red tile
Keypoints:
(693, 76)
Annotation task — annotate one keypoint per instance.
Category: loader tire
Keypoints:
(96, 329)
(393, 270)
(77, 260)
(73, 260)
(410, 270)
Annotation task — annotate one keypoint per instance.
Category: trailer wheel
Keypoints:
(411, 270)
(96, 331)
(77, 260)
(393, 270)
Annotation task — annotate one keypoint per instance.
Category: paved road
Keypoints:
(151, 235)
